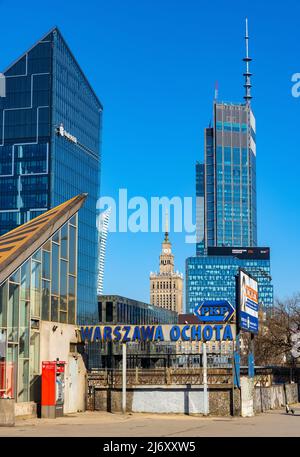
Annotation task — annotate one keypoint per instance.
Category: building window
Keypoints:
(109, 311)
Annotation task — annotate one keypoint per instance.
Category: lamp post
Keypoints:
(124, 363)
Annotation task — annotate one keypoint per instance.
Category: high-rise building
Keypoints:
(166, 286)
(200, 208)
(50, 124)
(227, 178)
(102, 226)
(230, 177)
(226, 206)
(213, 276)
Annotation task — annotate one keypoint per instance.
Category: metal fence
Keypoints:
(159, 376)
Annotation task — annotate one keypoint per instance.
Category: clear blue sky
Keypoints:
(153, 64)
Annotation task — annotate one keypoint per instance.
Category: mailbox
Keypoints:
(53, 384)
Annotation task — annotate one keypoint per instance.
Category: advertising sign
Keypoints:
(248, 303)
(262, 253)
(214, 311)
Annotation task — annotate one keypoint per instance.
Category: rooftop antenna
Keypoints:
(166, 226)
(247, 75)
(216, 91)
(216, 96)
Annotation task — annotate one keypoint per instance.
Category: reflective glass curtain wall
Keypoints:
(75, 167)
(43, 288)
(40, 169)
(230, 177)
(214, 278)
(25, 137)
(200, 198)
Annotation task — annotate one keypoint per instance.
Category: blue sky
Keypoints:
(153, 64)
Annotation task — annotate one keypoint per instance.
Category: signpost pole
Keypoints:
(205, 393)
(124, 363)
(251, 370)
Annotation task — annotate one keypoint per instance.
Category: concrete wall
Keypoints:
(7, 412)
(25, 409)
(188, 399)
(292, 393)
(168, 400)
(56, 344)
(247, 396)
(183, 399)
(274, 397)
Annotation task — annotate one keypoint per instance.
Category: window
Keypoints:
(109, 311)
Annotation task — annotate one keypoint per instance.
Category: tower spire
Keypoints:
(166, 226)
(247, 74)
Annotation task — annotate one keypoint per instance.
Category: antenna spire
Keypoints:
(166, 226)
(247, 74)
(216, 90)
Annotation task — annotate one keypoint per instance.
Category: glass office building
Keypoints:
(118, 310)
(200, 205)
(50, 124)
(230, 177)
(213, 277)
(38, 275)
(114, 309)
(226, 209)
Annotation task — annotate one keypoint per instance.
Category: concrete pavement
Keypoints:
(100, 424)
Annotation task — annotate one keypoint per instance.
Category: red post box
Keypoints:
(52, 389)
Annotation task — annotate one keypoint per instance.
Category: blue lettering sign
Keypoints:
(136, 334)
(117, 334)
(218, 329)
(107, 333)
(175, 333)
(227, 335)
(126, 328)
(159, 336)
(147, 333)
(184, 336)
(196, 333)
(207, 333)
(86, 333)
(97, 334)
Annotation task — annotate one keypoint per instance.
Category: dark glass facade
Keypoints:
(213, 277)
(200, 205)
(117, 310)
(39, 168)
(114, 309)
(226, 182)
(230, 177)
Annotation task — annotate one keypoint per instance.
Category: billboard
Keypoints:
(248, 302)
(241, 253)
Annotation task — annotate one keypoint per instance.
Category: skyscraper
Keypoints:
(50, 124)
(200, 206)
(226, 206)
(102, 226)
(230, 177)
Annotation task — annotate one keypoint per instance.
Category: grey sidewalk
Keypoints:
(274, 423)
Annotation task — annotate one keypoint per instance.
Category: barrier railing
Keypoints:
(160, 376)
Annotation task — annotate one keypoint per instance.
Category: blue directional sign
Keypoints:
(214, 311)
